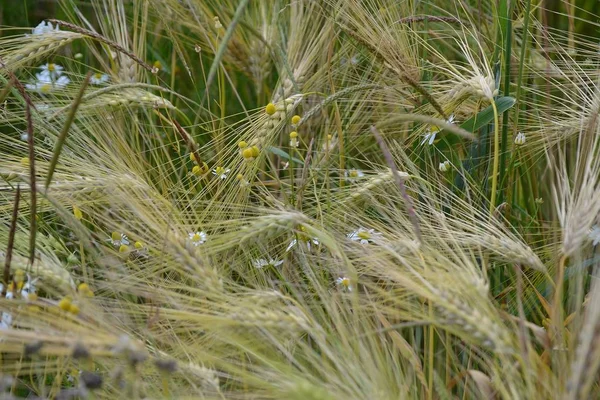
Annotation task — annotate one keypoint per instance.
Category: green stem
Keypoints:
(496, 159)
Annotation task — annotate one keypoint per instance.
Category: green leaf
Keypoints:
(283, 154)
(486, 115)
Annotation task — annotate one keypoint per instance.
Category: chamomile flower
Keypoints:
(24, 136)
(594, 235)
(310, 241)
(243, 182)
(520, 139)
(44, 27)
(264, 262)
(344, 283)
(99, 79)
(53, 71)
(197, 238)
(364, 236)
(353, 174)
(294, 139)
(44, 84)
(221, 172)
(433, 130)
(118, 239)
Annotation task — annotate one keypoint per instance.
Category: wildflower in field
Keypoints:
(520, 139)
(45, 84)
(118, 239)
(243, 182)
(263, 262)
(444, 166)
(221, 172)
(294, 139)
(44, 27)
(51, 70)
(329, 144)
(364, 236)
(594, 235)
(157, 66)
(344, 283)
(197, 238)
(29, 289)
(353, 174)
(310, 241)
(270, 109)
(218, 24)
(99, 78)
(77, 212)
(84, 290)
(433, 130)
(296, 119)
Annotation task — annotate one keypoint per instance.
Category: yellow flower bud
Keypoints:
(293, 135)
(65, 303)
(255, 151)
(123, 248)
(296, 119)
(74, 309)
(247, 153)
(139, 245)
(242, 145)
(77, 212)
(270, 109)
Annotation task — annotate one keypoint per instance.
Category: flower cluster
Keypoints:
(48, 79)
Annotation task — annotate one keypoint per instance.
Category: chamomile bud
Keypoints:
(242, 144)
(520, 139)
(65, 303)
(77, 212)
(444, 166)
(270, 109)
(296, 119)
(248, 154)
(123, 248)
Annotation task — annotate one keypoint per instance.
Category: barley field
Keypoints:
(304, 200)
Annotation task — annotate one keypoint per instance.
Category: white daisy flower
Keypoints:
(118, 239)
(263, 262)
(197, 238)
(51, 70)
(364, 236)
(520, 139)
(594, 235)
(353, 174)
(433, 130)
(309, 243)
(220, 172)
(44, 27)
(44, 84)
(24, 136)
(344, 283)
(29, 288)
(99, 79)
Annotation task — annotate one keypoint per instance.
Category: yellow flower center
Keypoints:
(46, 88)
(115, 236)
(97, 75)
(364, 235)
(293, 135)
(242, 144)
(138, 245)
(157, 64)
(353, 173)
(196, 237)
(248, 153)
(51, 67)
(345, 282)
(295, 119)
(270, 109)
(123, 248)
(219, 170)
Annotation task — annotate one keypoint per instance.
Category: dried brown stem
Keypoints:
(11, 241)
